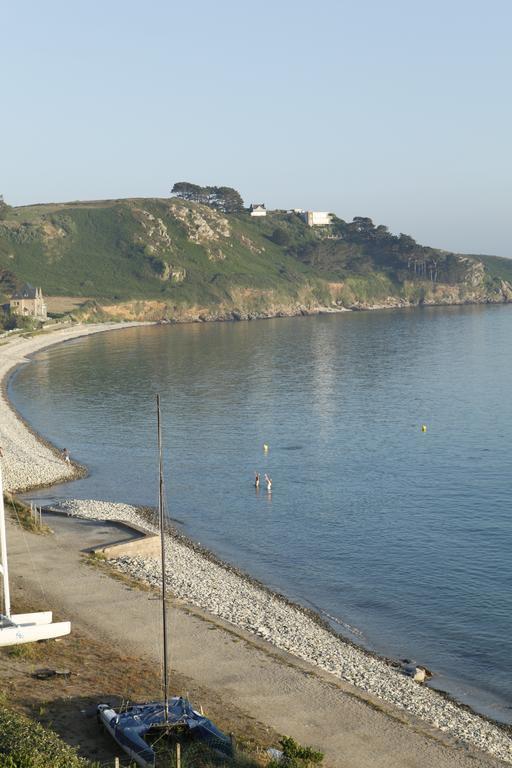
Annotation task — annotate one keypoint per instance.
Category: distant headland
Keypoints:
(202, 255)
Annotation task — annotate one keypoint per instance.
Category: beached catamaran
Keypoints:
(17, 628)
(140, 728)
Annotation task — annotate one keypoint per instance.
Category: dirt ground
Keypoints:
(63, 304)
(67, 703)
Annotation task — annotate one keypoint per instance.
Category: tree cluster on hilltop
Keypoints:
(402, 249)
(362, 230)
(362, 247)
(225, 199)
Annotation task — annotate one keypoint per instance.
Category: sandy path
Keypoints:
(354, 730)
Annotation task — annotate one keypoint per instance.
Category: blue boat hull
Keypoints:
(131, 727)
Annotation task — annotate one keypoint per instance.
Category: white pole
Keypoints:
(3, 551)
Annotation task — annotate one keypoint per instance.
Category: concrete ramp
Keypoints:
(122, 537)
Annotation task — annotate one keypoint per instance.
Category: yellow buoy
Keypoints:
(423, 427)
(265, 447)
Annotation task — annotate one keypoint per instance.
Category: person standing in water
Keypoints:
(256, 479)
(268, 481)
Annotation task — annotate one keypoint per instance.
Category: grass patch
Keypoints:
(498, 267)
(22, 513)
(102, 563)
(26, 744)
(30, 652)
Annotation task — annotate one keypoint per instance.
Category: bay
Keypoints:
(402, 537)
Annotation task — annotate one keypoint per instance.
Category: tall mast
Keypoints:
(162, 548)
(4, 572)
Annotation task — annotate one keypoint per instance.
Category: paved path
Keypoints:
(354, 730)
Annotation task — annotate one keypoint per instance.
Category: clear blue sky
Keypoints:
(398, 110)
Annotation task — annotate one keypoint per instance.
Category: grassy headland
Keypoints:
(177, 259)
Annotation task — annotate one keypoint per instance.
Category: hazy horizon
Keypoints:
(395, 111)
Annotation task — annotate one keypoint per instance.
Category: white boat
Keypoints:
(17, 628)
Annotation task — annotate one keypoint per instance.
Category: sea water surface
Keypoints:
(402, 537)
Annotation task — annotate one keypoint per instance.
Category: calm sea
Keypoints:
(402, 537)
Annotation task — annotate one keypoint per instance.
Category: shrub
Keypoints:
(26, 744)
(296, 756)
(9, 321)
(280, 236)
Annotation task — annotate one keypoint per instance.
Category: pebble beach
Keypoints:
(30, 461)
(220, 590)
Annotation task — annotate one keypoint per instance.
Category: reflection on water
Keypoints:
(400, 535)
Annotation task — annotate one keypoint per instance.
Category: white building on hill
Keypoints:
(316, 218)
(258, 209)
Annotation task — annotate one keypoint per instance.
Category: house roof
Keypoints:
(257, 205)
(27, 292)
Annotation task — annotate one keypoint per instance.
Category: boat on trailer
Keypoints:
(138, 727)
(17, 628)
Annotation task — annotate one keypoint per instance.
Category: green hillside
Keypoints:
(497, 267)
(177, 258)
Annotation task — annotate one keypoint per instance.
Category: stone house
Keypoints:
(29, 302)
(258, 209)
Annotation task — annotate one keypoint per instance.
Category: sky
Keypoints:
(397, 110)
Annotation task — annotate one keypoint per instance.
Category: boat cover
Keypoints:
(130, 726)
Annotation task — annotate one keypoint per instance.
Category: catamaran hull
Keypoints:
(20, 628)
(131, 727)
(31, 627)
(106, 717)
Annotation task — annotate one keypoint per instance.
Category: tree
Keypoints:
(225, 199)
(361, 229)
(362, 224)
(187, 191)
(297, 756)
(4, 208)
(9, 322)
(406, 243)
(280, 236)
